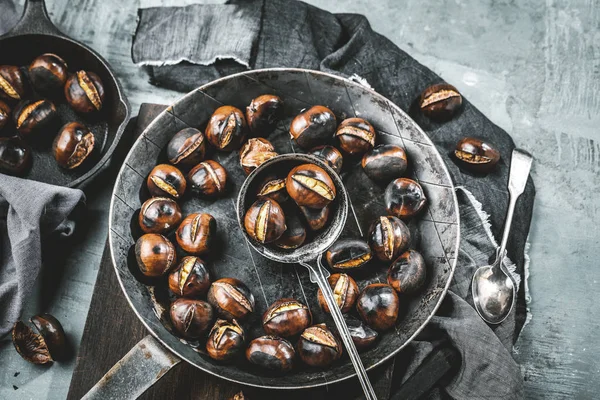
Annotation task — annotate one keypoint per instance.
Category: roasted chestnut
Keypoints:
(310, 186)
(286, 317)
(264, 221)
(407, 274)
(33, 116)
(345, 292)
(4, 114)
(186, 148)
(196, 233)
(362, 336)
(388, 237)
(239, 396)
(356, 136)
(378, 306)
(155, 254)
(295, 233)
(40, 348)
(159, 215)
(191, 318)
(226, 128)
(73, 145)
(316, 218)
(440, 102)
(329, 154)
(84, 91)
(313, 127)
(263, 114)
(272, 353)
(48, 73)
(476, 155)
(318, 346)
(166, 180)
(208, 179)
(190, 279)
(255, 152)
(273, 188)
(13, 83)
(348, 255)
(225, 340)
(231, 298)
(15, 156)
(385, 162)
(404, 198)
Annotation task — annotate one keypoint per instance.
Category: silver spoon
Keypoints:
(309, 255)
(493, 289)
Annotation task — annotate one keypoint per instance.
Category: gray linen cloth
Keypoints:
(30, 212)
(293, 34)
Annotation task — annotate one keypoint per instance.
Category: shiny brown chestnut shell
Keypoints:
(310, 186)
(155, 255)
(34, 116)
(190, 279)
(476, 155)
(166, 181)
(263, 114)
(388, 237)
(378, 306)
(186, 148)
(345, 291)
(355, 136)
(318, 346)
(255, 152)
(15, 156)
(13, 83)
(313, 127)
(316, 218)
(407, 273)
(225, 340)
(196, 233)
(5, 111)
(440, 102)
(348, 255)
(362, 336)
(53, 333)
(273, 188)
(191, 318)
(48, 73)
(264, 221)
(231, 299)
(330, 155)
(84, 91)
(226, 128)
(271, 352)
(286, 317)
(208, 179)
(159, 215)
(385, 162)
(73, 145)
(404, 198)
(295, 232)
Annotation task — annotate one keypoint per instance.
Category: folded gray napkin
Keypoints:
(30, 212)
(294, 34)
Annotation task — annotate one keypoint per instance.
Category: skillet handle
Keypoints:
(136, 372)
(35, 19)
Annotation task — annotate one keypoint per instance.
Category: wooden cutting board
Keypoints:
(112, 329)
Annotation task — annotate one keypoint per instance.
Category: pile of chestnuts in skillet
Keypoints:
(30, 95)
(210, 315)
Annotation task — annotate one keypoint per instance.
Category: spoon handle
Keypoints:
(520, 166)
(319, 276)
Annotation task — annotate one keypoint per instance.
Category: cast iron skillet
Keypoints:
(435, 233)
(34, 35)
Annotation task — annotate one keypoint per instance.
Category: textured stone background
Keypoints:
(532, 67)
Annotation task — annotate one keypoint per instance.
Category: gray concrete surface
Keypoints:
(532, 67)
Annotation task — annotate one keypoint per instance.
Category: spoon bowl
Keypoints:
(493, 293)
